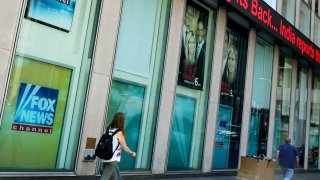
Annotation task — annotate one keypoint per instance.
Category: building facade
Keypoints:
(201, 82)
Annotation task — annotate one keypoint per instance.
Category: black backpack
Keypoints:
(104, 147)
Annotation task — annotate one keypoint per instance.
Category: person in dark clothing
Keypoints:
(288, 158)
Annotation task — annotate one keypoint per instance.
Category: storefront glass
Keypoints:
(137, 75)
(314, 124)
(288, 10)
(42, 116)
(300, 118)
(317, 29)
(281, 126)
(305, 19)
(228, 130)
(260, 103)
(272, 3)
(192, 92)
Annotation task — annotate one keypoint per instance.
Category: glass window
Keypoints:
(260, 103)
(181, 135)
(299, 132)
(227, 143)
(272, 3)
(317, 29)
(42, 116)
(137, 75)
(192, 92)
(314, 124)
(305, 19)
(281, 126)
(288, 10)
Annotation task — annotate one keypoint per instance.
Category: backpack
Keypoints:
(104, 147)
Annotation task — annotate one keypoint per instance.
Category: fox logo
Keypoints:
(36, 105)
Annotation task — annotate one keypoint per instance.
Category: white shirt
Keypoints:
(117, 152)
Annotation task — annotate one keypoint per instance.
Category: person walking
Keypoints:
(288, 158)
(111, 171)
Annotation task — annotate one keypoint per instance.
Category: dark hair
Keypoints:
(118, 122)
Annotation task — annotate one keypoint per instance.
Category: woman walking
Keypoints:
(119, 142)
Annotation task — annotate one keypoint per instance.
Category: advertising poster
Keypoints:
(193, 48)
(232, 83)
(233, 63)
(34, 114)
(54, 13)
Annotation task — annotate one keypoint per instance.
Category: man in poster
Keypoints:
(201, 51)
(192, 57)
(187, 22)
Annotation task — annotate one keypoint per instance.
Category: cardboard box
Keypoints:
(244, 175)
(256, 169)
(270, 170)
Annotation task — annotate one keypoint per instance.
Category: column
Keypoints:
(169, 83)
(214, 96)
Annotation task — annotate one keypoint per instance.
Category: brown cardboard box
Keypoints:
(244, 175)
(256, 169)
(270, 170)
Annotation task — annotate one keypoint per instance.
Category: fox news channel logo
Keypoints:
(35, 109)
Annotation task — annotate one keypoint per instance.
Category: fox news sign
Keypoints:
(35, 109)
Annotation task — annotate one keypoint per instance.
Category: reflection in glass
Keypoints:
(317, 29)
(314, 124)
(281, 127)
(305, 19)
(129, 99)
(232, 90)
(181, 133)
(260, 105)
(223, 134)
(272, 3)
(299, 132)
(288, 10)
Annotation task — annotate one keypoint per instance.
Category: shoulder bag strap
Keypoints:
(115, 132)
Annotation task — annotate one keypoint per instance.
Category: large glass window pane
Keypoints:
(137, 75)
(130, 98)
(281, 126)
(47, 88)
(190, 109)
(260, 103)
(272, 3)
(317, 29)
(305, 19)
(299, 132)
(226, 149)
(181, 135)
(288, 10)
(314, 124)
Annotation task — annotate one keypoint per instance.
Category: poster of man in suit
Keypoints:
(193, 48)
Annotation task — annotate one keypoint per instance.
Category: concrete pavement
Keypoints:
(297, 176)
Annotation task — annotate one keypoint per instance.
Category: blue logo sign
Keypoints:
(36, 105)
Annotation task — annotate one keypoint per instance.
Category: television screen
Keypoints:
(54, 13)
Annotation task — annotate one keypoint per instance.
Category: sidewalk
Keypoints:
(297, 176)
